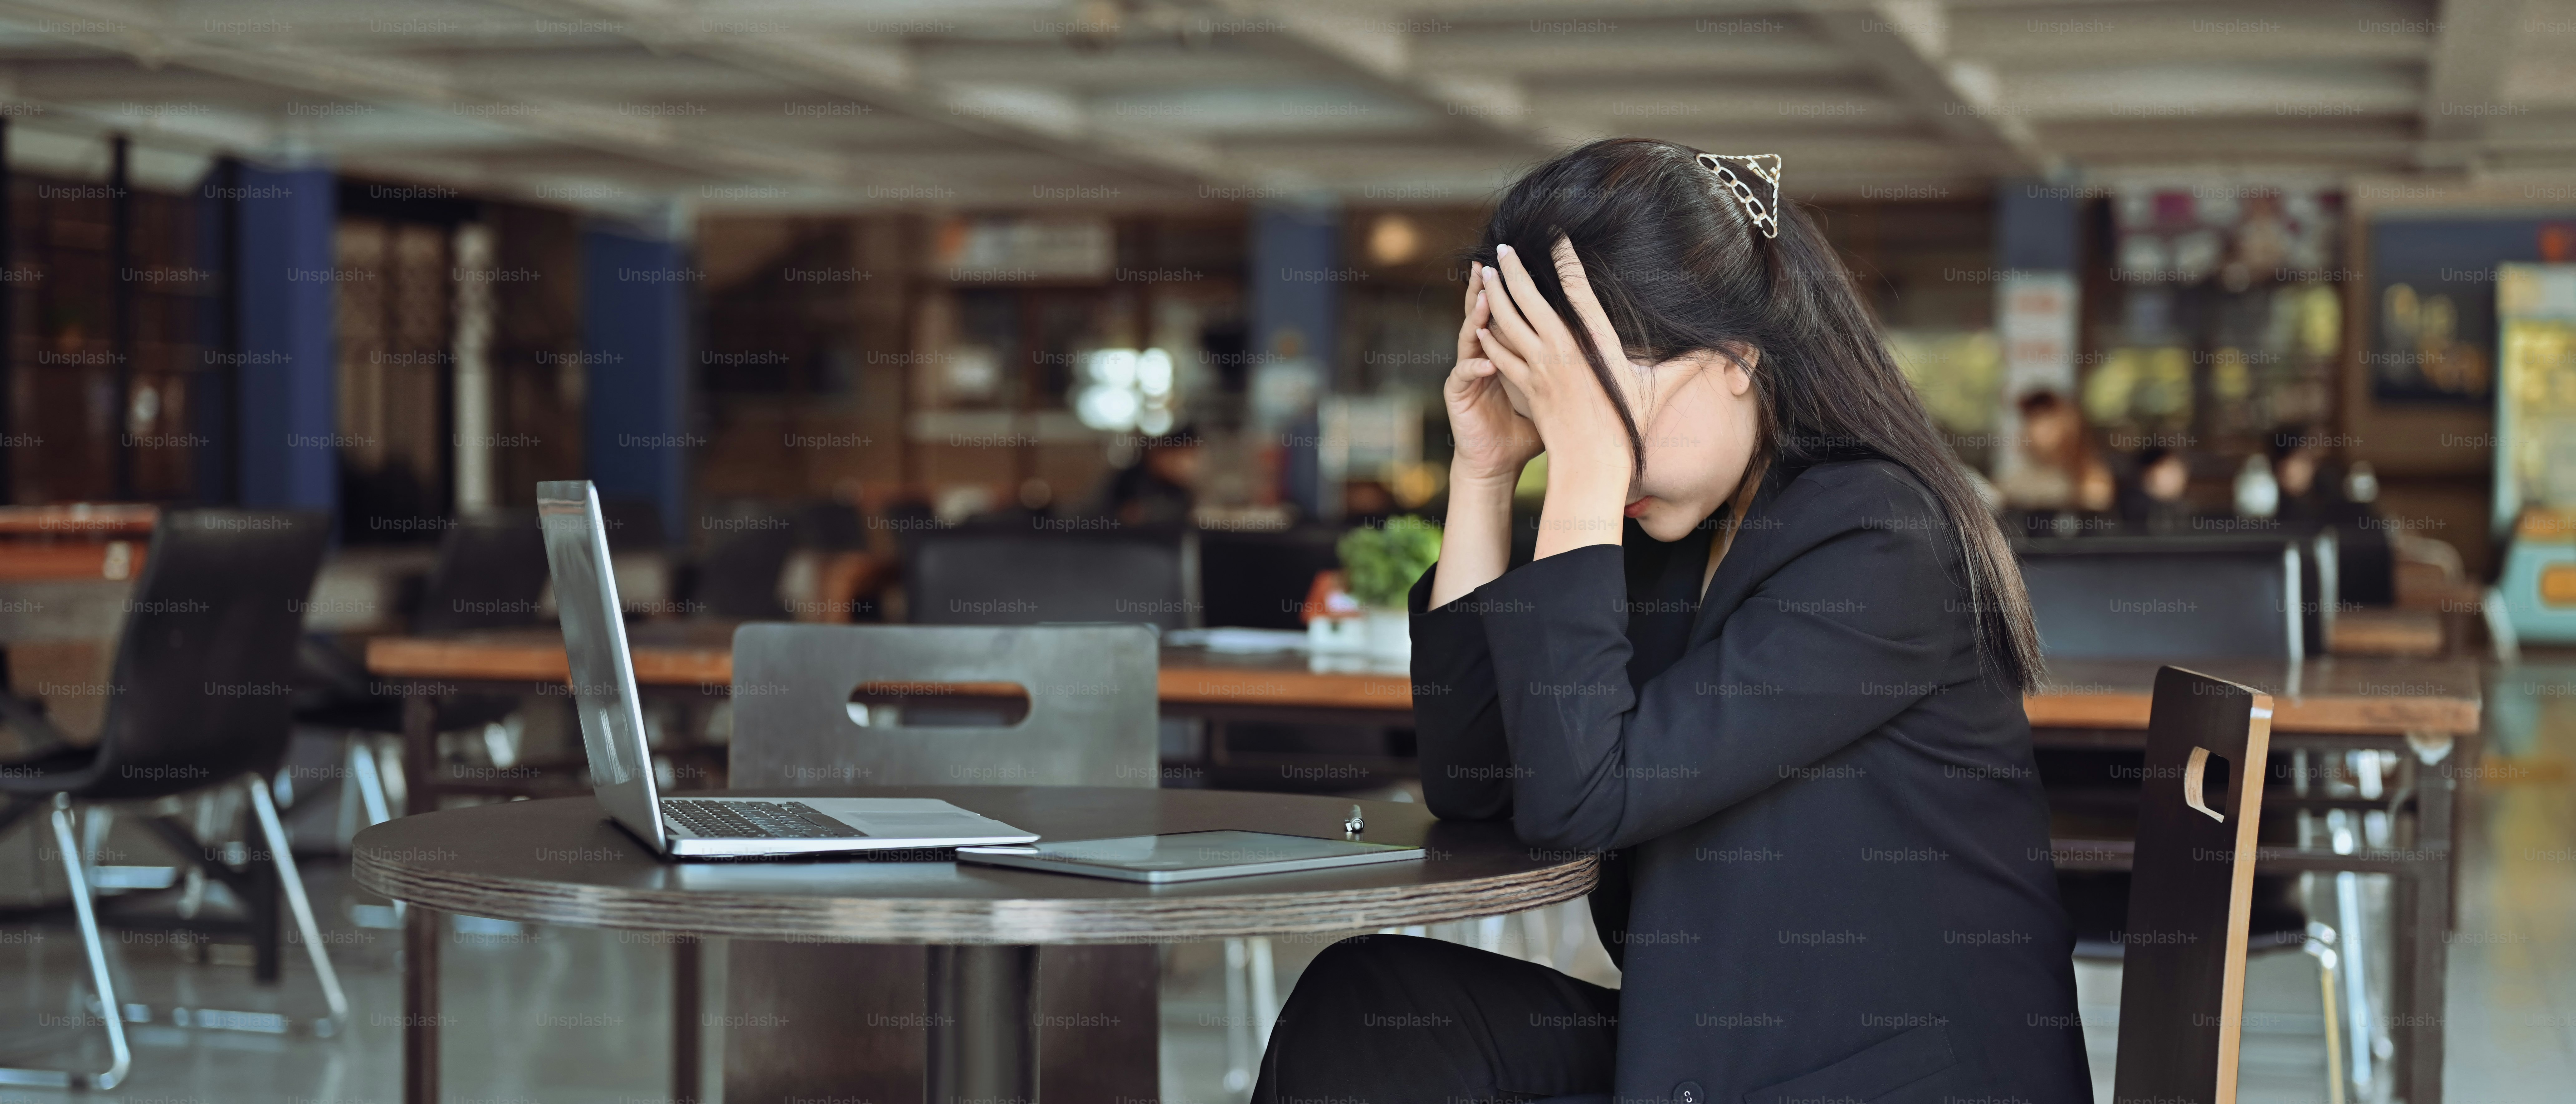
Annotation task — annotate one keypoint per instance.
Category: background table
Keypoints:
(2339, 695)
(561, 862)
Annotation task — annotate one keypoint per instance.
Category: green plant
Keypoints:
(1380, 562)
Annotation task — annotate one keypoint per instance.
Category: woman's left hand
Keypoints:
(1589, 459)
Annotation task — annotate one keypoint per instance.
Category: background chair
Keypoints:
(1259, 580)
(736, 576)
(490, 572)
(2205, 598)
(1090, 721)
(2182, 989)
(490, 575)
(1090, 691)
(2130, 598)
(980, 577)
(199, 698)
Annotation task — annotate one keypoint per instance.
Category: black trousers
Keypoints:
(1391, 1019)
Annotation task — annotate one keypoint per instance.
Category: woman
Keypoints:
(1768, 660)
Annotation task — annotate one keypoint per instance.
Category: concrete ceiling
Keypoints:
(714, 105)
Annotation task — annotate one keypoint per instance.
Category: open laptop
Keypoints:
(621, 766)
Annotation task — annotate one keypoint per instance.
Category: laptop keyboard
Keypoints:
(755, 820)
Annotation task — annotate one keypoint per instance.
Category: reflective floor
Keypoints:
(563, 1016)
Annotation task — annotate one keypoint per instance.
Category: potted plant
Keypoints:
(1379, 566)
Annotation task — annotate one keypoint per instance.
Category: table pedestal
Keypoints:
(983, 1024)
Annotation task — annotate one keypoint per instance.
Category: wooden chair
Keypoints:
(846, 1021)
(2182, 988)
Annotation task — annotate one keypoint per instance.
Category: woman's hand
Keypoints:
(1532, 349)
(1589, 458)
(1493, 440)
(1493, 443)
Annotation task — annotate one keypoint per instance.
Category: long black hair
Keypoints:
(1679, 266)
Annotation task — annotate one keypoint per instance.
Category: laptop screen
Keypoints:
(603, 681)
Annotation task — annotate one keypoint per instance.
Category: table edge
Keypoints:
(977, 921)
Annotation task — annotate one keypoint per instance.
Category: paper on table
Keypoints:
(1240, 640)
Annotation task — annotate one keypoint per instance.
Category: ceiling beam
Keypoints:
(1905, 44)
(152, 41)
(2464, 79)
(881, 72)
(1372, 42)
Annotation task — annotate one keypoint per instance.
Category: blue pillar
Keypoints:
(289, 452)
(634, 329)
(2036, 226)
(1296, 284)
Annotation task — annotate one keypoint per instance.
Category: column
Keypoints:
(1295, 289)
(634, 328)
(288, 413)
(473, 416)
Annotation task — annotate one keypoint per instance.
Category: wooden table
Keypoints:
(73, 544)
(560, 862)
(2402, 633)
(80, 519)
(700, 653)
(2344, 696)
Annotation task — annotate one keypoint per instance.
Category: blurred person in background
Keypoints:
(1366, 502)
(2316, 498)
(2157, 501)
(1768, 661)
(1161, 486)
(2059, 469)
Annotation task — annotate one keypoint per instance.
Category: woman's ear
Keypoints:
(1737, 364)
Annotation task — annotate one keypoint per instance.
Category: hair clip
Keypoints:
(1766, 217)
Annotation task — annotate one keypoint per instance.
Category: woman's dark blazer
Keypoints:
(1829, 875)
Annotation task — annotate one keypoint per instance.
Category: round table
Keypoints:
(562, 861)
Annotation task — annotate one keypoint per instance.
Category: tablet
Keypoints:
(1189, 856)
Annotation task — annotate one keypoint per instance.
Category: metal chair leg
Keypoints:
(266, 809)
(2320, 944)
(110, 1013)
(371, 779)
(1242, 1051)
(1265, 992)
(297, 903)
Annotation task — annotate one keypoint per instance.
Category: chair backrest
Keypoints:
(2191, 895)
(1259, 580)
(970, 577)
(2118, 598)
(203, 683)
(633, 523)
(832, 526)
(746, 552)
(491, 570)
(1091, 705)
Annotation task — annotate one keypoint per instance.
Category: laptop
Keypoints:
(621, 766)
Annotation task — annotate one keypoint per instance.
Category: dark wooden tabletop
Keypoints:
(561, 861)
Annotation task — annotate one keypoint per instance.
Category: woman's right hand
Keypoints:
(1493, 440)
